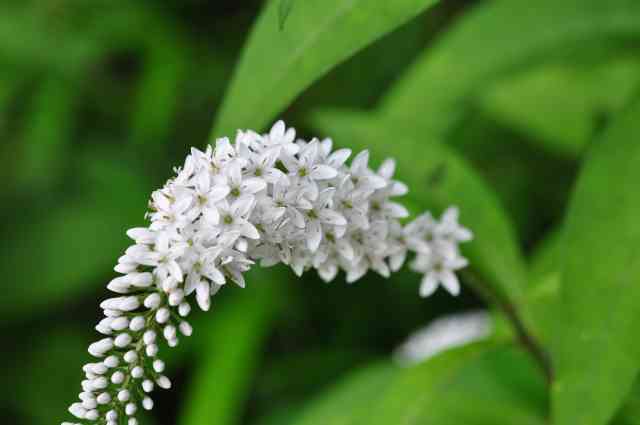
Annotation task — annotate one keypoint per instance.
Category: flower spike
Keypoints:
(263, 198)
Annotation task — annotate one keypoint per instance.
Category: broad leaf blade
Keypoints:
(348, 401)
(576, 100)
(493, 39)
(277, 65)
(477, 384)
(596, 350)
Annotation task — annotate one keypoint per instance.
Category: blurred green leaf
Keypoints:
(47, 134)
(493, 39)
(544, 284)
(283, 12)
(438, 178)
(63, 240)
(480, 383)
(277, 65)
(231, 351)
(575, 99)
(160, 87)
(596, 349)
(36, 389)
(349, 400)
(629, 413)
(25, 41)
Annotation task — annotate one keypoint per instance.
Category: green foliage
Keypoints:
(599, 294)
(230, 353)
(574, 101)
(349, 401)
(278, 64)
(491, 106)
(283, 12)
(493, 41)
(477, 384)
(66, 273)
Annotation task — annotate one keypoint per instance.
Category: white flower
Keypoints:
(281, 139)
(448, 229)
(206, 196)
(234, 217)
(240, 186)
(318, 214)
(308, 168)
(266, 197)
(439, 268)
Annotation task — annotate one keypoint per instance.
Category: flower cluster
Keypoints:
(267, 198)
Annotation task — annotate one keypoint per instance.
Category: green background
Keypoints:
(524, 114)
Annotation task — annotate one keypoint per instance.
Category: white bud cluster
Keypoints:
(267, 198)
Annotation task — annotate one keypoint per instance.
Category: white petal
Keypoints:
(211, 215)
(338, 158)
(248, 230)
(175, 271)
(242, 206)
(463, 235)
(182, 204)
(398, 189)
(396, 210)
(331, 217)
(215, 275)
(202, 295)
(325, 197)
(450, 215)
(277, 131)
(253, 185)
(345, 249)
(235, 173)
(429, 285)
(141, 235)
(203, 182)
(397, 260)
(373, 182)
(297, 218)
(191, 283)
(387, 168)
(359, 163)
(322, 172)
(450, 282)
(237, 277)
(218, 192)
(328, 272)
(315, 235)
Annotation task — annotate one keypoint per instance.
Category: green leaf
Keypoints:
(349, 400)
(476, 384)
(596, 349)
(576, 99)
(629, 413)
(482, 383)
(494, 39)
(63, 239)
(438, 178)
(48, 134)
(284, 11)
(159, 89)
(277, 65)
(544, 284)
(229, 356)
